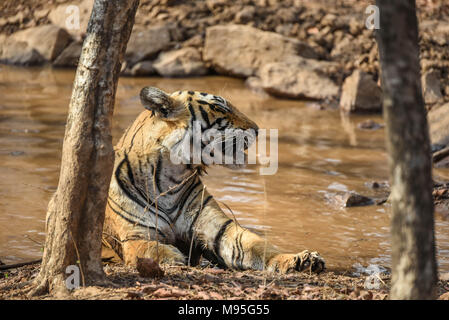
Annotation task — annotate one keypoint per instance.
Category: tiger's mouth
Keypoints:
(237, 146)
(229, 149)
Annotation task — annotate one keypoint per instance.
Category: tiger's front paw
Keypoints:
(285, 263)
(167, 254)
(159, 252)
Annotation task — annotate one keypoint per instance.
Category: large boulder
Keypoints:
(184, 62)
(431, 86)
(47, 40)
(13, 52)
(72, 16)
(241, 50)
(438, 31)
(142, 68)
(145, 44)
(70, 56)
(298, 77)
(348, 47)
(361, 93)
(438, 118)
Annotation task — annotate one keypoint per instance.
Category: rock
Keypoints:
(17, 19)
(245, 15)
(369, 125)
(444, 276)
(146, 44)
(353, 199)
(255, 84)
(284, 29)
(241, 50)
(431, 86)
(148, 268)
(299, 78)
(446, 90)
(142, 68)
(196, 42)
(176, 33)
(438, 31)
(72, 16)
(438, 118)
(47, 40)
(70, 56)
(3, 22)
(355, 26)
(377, 185)
(213, 4)
(3, 38)
(39, 14)
(349, 45)
(361, 93)
(180, 63)
(329, 20)
(19, 53)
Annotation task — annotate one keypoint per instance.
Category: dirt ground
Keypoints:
(186, 283)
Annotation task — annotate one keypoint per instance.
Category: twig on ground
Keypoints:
(18, 265)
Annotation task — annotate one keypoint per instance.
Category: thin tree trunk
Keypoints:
(76, 212)
(412, 227)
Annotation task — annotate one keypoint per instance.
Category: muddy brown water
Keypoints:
(320, 153)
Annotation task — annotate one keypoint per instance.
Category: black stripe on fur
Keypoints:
(219, 236)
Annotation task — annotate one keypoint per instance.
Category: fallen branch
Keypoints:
(27, 263)
(18, 265)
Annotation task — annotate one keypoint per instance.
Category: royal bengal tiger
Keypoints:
(160, 209)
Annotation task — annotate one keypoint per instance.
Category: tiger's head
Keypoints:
(205, 129)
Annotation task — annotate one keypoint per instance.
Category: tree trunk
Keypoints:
(76, 212)
(412, 227)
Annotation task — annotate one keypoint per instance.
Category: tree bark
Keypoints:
(413, 245)
(75, 213)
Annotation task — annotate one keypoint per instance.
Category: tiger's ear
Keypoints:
(160, 103)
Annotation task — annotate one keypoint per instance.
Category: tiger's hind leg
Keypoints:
(162, 253)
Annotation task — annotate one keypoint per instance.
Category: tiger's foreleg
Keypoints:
(132, 241)
(162, 253)
(236, 247)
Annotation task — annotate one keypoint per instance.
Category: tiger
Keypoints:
(159, 208)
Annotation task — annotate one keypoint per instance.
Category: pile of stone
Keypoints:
(284, 48)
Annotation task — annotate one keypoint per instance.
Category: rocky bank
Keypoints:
(319, 50)
(289, 48)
